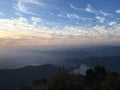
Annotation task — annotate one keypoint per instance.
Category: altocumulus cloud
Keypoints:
(51, 22)
(22, 32)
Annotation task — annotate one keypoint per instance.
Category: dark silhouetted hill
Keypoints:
(96, 78)
(111, 63)
(13, 78)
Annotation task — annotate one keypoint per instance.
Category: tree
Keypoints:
(100, 72)
(90, 74)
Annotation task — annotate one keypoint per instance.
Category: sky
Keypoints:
(59, 22)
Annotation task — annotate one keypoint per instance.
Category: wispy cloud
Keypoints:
(21, 6)
(104, 13)
(101, 19)
(73, 7)
(73, 16)
(89, 9)
(118, 11)
(99, 15)
(2, 14)
(62, 15)
(36, 2)
(68, 15)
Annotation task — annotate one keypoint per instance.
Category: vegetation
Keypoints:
(96, 79)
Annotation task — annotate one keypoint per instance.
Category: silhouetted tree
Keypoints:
(100, 72)
(115, 74)
(90, 74)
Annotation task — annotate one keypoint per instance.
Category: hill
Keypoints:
(96, 79)
(111, 63)
(14, 78)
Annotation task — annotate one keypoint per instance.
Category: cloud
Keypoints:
(22, 31)
(73, 7)
(104, 13)
(118, 11)
(112, 23)
(101, 19)
(73, 16)
(62, 15)
(35, 20)
(70, 16)
(2, 14)
(90, 9)
(36, 2)
(22, 7)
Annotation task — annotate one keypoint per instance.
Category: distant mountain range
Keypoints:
(80, 52)
(112, 63)
(107, 56)
(10, 79)
(57, 57)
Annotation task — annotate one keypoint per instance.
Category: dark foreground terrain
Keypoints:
(108, 57)
(49, 77)
(10, 79)
(96, 79)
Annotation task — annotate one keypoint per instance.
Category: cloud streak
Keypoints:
(118, 11)
(2, 14)
(101, 19)
(73, 16)
(90, 9)
(75, 8)
(36, 2)
(22, 7)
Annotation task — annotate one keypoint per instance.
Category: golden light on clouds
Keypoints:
(21, 32)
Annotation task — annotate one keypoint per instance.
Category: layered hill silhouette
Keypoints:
(111, 63)
(10, 79)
